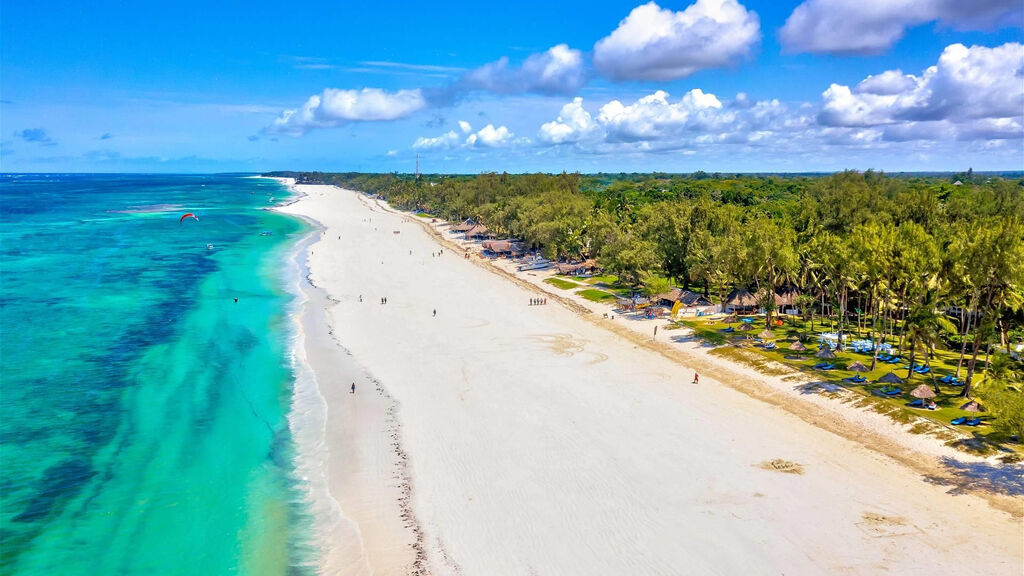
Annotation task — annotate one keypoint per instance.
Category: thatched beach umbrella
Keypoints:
(890, 378)
(766, 334)
(797, 346)
(826, 353)
(973, 406)
(857, 367)
(745, 327)
(923, 392)
(731, 318)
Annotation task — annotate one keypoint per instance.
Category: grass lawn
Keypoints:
(425, 215)
(596, 295)
(943, 363)
(561, 283)
(604, 279)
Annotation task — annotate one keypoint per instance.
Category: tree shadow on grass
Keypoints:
(690, 338)
(1005, 479)
(817, 387)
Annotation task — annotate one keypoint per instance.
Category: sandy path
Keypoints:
(541, 444)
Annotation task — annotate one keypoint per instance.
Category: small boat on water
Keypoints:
(209, 246)
(266, 233)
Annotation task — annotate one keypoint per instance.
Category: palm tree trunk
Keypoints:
(966, 393)
(963, 341)
(842, 316)
(903, 316)
(913, 351)
(974, 355)
(874, 322)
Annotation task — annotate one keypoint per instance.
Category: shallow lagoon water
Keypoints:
(143, 412)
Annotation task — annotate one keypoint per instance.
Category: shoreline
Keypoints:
(361, 526)
(452, 461)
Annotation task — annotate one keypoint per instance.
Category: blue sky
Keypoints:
(715, 85)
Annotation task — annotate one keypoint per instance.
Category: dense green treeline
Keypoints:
(918, 261)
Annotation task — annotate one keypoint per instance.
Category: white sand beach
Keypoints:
(501, 438)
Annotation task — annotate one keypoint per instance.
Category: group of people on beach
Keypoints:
(538, 301)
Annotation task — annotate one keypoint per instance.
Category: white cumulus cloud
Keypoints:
(653, 43)
(491, 137)
(572, 124)
(657, 122)
(558, 70)
(872, 26)
(446, 140)
(654, 117)
(975, 91)
(887, 83)
(487, 137)
(335, 107)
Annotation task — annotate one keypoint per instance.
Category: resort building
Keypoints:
(689, 302)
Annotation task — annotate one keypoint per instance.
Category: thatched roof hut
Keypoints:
(730, 319)
(686, 298)
(497, 246)
(857, 367)
(741, 298)
(478, 231)
(890, 378)
(745, 327)
(570, 269)
(797, 346)
(923, 391)
(825, 353)
(785, 297)
(766, 334)
(463, 227)
(973, 406)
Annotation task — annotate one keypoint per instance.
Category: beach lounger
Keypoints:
(973, 422)
(924, 370)
(947, 379)
(858, 379)
(819, 365)
(892, 391)
(770, 346)
(883, 357)
(827, 367)
(958, 421)
(893, 360)
(728, 330)
(916, 403)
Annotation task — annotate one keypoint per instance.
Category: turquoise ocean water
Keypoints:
(143, 412)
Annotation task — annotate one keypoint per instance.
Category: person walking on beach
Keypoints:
(353, 391)
(696, 378)
(435, 312)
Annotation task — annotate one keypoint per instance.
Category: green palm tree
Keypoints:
(924, 329)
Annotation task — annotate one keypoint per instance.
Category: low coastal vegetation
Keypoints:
(928, 270)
